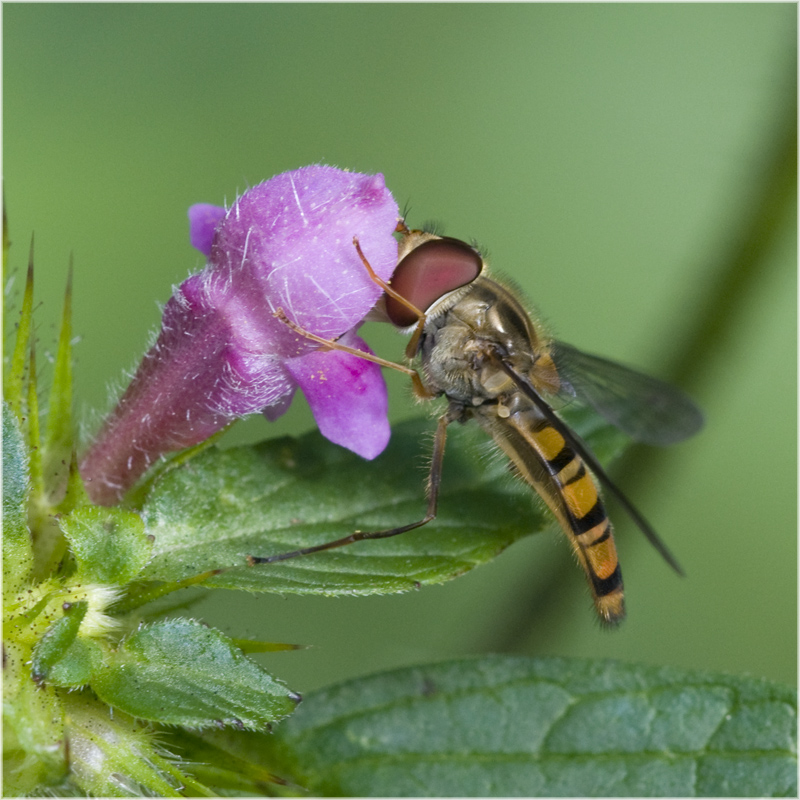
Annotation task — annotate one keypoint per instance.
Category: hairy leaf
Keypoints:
(58, 442)
(507, 726)
(180, 672)
(57, 640)
(286, 494)
(63, 658)
(109, 544)
(14, 377)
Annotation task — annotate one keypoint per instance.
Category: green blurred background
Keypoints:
(632, 167)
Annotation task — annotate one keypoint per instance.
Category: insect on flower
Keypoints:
(493, 362)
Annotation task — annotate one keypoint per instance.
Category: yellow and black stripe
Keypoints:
(543, 458)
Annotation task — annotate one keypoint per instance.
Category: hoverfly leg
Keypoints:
(330, 344)
(434, 481)
(437, 459)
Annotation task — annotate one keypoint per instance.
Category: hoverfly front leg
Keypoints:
(420, 390)
(434, 481)
(411, 347)
(330, 344)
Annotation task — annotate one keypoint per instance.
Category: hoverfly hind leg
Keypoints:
(434, 480)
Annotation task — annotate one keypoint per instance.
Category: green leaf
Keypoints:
(76, 666)
(180, 672)
(58, 440)
(63, 658)
(14, 386)
(6, 245)
(75, 495)
(57, 639)
(109, 544)
(220, 760)
(507, 726)
(17, 544)
(34, 440)
(286, 494)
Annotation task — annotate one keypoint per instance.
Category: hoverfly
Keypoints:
(493, 362)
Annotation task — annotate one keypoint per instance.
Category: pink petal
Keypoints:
(278, 409)
(203, 221)
(288, 243)
(347, 395)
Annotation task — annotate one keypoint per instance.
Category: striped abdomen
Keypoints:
(543, 459)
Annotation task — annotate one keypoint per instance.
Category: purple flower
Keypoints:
(221, 353)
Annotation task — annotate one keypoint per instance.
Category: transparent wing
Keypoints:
(646, 409)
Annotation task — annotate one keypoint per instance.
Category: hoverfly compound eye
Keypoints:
(428, 273)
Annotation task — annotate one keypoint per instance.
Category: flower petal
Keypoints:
(203, 221)
(289, 242)
(347, 395)
(279, 408)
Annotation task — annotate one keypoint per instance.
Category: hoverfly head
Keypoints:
(429, 270)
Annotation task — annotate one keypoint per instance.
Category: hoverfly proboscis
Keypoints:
(494, 363)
